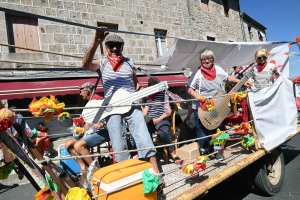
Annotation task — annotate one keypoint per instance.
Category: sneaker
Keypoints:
(161, 185)
(219, 155)
(47, 154)
(204, 153)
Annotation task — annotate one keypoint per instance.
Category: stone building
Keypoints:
(218, 20)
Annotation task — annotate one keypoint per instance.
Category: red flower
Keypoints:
(5, 124)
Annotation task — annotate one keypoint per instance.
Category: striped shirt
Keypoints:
(156, 110)
(112, 81)
(205, 87)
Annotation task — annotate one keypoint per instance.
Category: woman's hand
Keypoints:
(98, 126)
(188, 117)
(81, 133)
(156, 121)
(248, 84)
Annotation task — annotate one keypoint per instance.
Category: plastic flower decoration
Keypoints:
(219, 138)
(63, 116)
(296, 80)
(46, 107)
(44, 194)
(7, 118)
(150, 181)
(207, 104)
(297, 39)
(243, 127)
(237, 97)
(248, 141)
(6, 170)
(199, 163)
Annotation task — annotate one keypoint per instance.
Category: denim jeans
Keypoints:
(201, 132)
(138, 129)
(163, 129)
(98, 137)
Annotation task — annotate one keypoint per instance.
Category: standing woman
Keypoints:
(264, 73)
(42, 139)
(208, 80)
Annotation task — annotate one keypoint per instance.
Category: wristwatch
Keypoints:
(160, 118)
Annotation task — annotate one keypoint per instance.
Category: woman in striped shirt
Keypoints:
(160, 113)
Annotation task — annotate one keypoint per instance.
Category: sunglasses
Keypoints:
(81, 88)
(112, 45)
(262, 57)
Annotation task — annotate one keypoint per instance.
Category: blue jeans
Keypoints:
(163, 129)
(138, 129)
(201, 132)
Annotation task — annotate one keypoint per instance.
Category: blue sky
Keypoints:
(282, 20)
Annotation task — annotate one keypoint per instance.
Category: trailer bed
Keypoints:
(177, 182)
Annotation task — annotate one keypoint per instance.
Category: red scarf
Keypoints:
(209, 74)
(152, 96)
(116, 62)
(261, 67)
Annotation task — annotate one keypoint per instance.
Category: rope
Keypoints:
(51, 52)
(135, 150)
(138, 104)
(35, 63)
(42, 51)
(15, 12)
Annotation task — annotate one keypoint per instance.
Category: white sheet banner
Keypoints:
(274, 112)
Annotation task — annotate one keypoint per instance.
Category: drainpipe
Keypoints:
(191, 19)
(243, 27)
(242, 24)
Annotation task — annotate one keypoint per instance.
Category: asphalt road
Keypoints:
(232, 189)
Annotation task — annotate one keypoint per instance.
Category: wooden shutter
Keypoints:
(23, 32)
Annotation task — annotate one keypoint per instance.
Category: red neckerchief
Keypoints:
(261, 67)
(116, 62)
(209, 74)
(152, 96)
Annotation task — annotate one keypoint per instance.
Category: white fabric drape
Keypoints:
(185, 53)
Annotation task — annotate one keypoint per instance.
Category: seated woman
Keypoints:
(179, 122)
(159, 114)
(264, 73)
(79, 146)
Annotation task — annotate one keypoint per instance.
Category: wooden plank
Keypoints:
(18, 33)
(31, 34)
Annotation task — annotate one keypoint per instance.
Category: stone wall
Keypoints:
(130, 15)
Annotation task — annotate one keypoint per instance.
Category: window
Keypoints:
(226, 7)
(204, 5)
(109, 26)
(250, 32)
(210, 38)
(22, 31)
(161, 42)
(261, 36)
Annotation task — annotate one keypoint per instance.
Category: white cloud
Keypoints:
(295, 62)
(293, 54)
